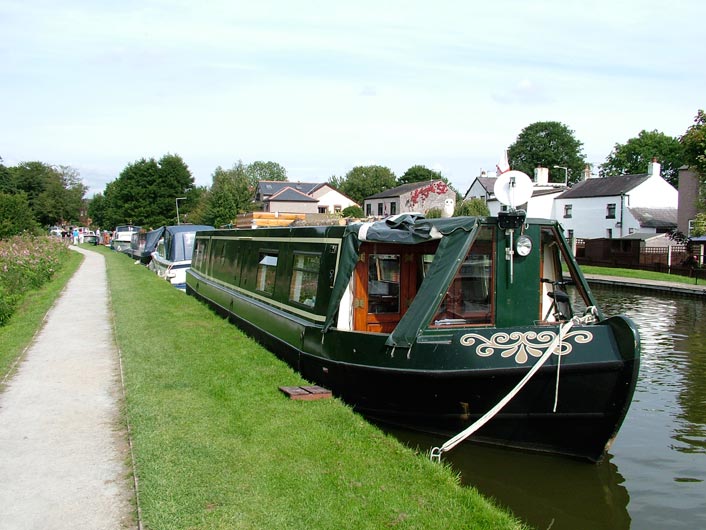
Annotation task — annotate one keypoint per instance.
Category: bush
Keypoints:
(15, 215)
(353, 211)
(26, 262)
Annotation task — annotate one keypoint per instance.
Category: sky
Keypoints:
(323, 86)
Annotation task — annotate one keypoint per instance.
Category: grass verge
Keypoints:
(18, 332)
(217, 446)
(636, 273)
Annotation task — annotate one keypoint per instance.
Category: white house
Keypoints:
(614, 207)
(412, 197)
(301, 197)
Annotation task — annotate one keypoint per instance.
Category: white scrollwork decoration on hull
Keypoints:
(522, 345)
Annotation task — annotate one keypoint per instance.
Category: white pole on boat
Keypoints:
(177, 207)
(453, 442)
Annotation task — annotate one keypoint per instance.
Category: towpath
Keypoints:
(63, 449)
(695, 290)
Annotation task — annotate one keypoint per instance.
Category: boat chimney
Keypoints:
(541, 176)
(654, 168)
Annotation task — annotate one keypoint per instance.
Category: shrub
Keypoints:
(26, 262)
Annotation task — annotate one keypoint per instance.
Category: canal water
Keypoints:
(654, 476)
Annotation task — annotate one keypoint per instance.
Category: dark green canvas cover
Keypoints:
(456, 235)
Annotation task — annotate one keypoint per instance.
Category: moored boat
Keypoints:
(173, 250)
(122, 237)
(429, 324)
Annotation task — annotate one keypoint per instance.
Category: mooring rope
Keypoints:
(453, 442)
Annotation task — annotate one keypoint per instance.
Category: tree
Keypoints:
(633, 157)
(694, 142)
(418, 173)
(259, 170)
(230, 195)
(54, 193)
(145, 193)
(15, 215)
(548, 144)
(363, 181)
(473, 208)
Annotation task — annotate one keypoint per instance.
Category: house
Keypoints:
(688, 199)
(613, 207)
(412, 197)
(300, 197)
(540, 204)
(481, 188)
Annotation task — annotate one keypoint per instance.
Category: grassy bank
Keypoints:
(18, 331)
(218, 446)
(636, 273)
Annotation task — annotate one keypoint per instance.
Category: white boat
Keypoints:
(122, 237)
(172, 257)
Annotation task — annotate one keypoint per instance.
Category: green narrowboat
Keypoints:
(429, 323)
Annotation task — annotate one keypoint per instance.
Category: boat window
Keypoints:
(469, 299)
(384, 283)
(266, 269)
(305, 279)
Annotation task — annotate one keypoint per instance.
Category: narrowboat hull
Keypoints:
(441, 387)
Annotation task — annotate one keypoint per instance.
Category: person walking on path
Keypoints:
(62, 443)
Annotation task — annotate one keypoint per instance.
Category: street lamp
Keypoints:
(177, 206)
(566, 174)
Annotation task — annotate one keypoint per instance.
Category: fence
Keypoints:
(629, 254)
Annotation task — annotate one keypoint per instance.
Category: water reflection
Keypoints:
(655, 473)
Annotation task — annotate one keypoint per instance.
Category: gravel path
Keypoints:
(64, 458)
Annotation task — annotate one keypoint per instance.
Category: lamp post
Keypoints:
(177, 206)
(566, 174)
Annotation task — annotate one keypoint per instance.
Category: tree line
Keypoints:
(35, 195)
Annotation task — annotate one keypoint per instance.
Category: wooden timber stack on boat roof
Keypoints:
(261, 219)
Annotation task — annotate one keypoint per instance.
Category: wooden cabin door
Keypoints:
(386, 282)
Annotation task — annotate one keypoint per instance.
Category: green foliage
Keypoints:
(472, 208)
(26, 262)
(54, 193)
(18, 332)
(145, 193)
(433, 213)
(230, 195)
(548, 144)
(418, 173)
(633, 157)
(15, 215)
(259, 170)
(363, 181)
(355, 212)
(699, 225)
(694, 142)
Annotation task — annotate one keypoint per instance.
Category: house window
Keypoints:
(266, 269)
(322, 209)
(393, 208)
(609, 233)
(305, 279)
(368, 209)
(337, 208)
(570, 234)
(610, 211)
(380, 209)
(567, 210)
(691, 227)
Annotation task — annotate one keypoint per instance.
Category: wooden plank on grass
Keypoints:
(305, 393)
